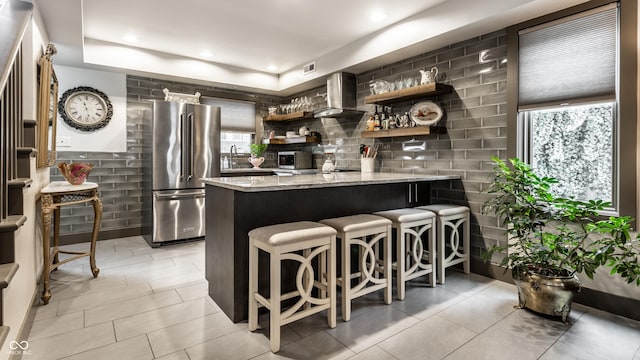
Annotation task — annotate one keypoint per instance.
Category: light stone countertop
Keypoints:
(275, 183)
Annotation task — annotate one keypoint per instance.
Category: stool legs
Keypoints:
(307, 305)
(368, 270)
(467, 244)
(387, 268)
(346, 278)
(441, 250)
(253, 285)
(401, 261)
(274, 297)
(458, 254)
(331, 283)
(410, 254)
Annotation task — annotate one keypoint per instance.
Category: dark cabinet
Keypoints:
(418, 194)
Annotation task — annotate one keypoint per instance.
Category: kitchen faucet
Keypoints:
(233, 150)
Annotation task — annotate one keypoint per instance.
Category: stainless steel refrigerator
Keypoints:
(183, 146)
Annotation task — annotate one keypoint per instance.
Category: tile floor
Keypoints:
(153, 304)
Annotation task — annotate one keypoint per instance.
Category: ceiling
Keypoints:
(263, 44)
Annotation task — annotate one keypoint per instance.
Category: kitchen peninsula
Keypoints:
(235, 205)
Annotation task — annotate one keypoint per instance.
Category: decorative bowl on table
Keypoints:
(75, 173)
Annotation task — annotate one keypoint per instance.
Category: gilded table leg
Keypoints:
(46, 234)
(56, 234)
(97, 209)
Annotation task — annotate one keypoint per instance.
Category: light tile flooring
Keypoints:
(153, 304)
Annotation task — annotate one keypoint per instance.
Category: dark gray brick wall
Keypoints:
(120, 175)
(475, 121)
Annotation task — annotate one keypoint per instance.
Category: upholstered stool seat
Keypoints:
(454, 221)
(286, 242)
(412, 226)
(368, 233)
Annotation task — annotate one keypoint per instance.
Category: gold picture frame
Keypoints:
(47, 109)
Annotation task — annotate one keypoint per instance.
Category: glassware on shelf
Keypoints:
(303, 103)
(379, 86)
(408, 82)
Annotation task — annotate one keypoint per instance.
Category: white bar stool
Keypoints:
(457, 219)
(365, 231)
(412, 259)
(284, 242)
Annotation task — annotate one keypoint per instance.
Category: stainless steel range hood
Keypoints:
(341, 96)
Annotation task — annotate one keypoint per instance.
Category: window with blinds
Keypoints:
(236, 115)
(237, 126)
(567, 109)
(570, 60)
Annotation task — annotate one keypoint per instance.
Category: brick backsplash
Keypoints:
(120, 175)
(475, 120)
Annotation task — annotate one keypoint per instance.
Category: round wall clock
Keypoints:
(85, 108)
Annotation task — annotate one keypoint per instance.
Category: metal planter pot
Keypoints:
(546, 295)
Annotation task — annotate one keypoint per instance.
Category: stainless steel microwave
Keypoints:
(294, 160)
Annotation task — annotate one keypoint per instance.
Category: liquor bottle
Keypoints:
(385, 113)
(376, 120)
(370, 123)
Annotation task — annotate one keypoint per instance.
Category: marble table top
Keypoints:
(64, 186)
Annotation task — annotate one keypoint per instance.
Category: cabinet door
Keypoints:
(418, 194)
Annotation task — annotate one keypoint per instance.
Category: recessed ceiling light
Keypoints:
(272, 67)
(377, 16)
(130, 39)
(206, 54)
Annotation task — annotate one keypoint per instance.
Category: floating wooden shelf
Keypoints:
(420, 91)
(293, 140)
(289, 117)
(418, 130)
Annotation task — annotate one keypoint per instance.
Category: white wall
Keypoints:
(112, 137)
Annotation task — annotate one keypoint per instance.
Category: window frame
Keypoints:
(625, 152)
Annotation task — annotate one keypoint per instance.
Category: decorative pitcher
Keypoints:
(428, 76)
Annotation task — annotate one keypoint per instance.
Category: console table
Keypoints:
(54, 196)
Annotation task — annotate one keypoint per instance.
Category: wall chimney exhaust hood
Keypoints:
(341, 97)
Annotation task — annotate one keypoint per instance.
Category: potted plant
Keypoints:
(257, 150)
(551, 239)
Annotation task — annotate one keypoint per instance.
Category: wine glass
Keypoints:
(408, 82)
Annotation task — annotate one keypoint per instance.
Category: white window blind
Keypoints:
(569, 60)
(236, 115)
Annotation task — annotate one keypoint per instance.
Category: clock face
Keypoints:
(85, 108)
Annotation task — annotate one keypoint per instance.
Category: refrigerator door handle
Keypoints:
(190, 152)
(182, 155)
(199, 194)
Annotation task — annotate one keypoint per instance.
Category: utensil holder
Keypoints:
(367, 165)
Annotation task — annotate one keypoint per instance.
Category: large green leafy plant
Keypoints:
(555, 236)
